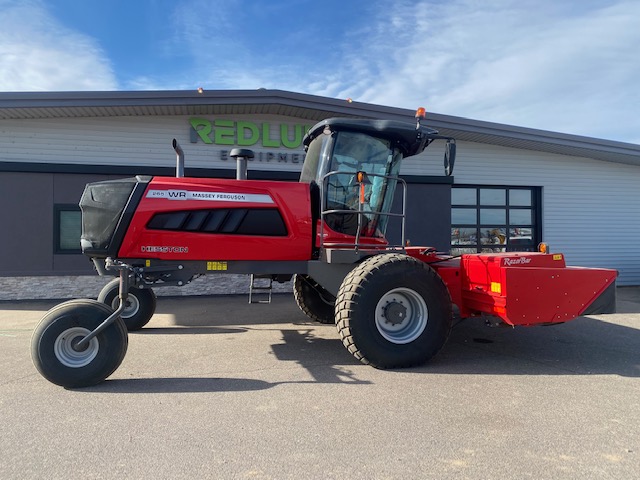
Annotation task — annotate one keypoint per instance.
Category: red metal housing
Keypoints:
(522, 288)
(166, 195)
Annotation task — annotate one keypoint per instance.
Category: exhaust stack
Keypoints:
(179, 158)
(241, 155)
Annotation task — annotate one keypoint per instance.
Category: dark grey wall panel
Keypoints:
(428, 214)
(26, 223)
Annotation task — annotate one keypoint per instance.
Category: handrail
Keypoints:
(357, 244)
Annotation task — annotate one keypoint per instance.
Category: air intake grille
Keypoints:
(237, 221)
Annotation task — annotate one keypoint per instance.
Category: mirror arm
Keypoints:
(433, 136)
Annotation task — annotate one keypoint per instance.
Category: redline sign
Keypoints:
(245, 134)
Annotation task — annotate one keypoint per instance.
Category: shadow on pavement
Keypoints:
(585, 346)
(607, 345)
(181, 385)
(317, 357)
(321, 373)
(228, 310)
(313, 354)
(209, 330)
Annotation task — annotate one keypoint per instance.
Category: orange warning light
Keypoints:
(421, 112)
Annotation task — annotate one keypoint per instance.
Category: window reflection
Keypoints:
(464, 236)
(520, 216)
(489, 216)
(493, 196)
(461, 251)
(493, 250)
(463, 196)
(464, 216)
(493, 236)
(485, 219)
(520, 198)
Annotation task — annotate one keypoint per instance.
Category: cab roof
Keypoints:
(405, 136)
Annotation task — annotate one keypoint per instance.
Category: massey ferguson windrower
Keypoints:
(392, 304)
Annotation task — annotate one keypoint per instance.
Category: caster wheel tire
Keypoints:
(53, 344)
(140, 307)
(393, 311)
(314, 301)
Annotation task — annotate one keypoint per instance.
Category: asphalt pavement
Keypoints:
(216, 388)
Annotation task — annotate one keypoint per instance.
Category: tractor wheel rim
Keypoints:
(131, 307)
(401, 315)
(67, 355)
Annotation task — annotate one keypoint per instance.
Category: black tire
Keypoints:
(141, 304)
(314, 301)
(52, 339)
(393, 311)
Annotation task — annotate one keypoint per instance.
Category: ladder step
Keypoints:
(259, 284)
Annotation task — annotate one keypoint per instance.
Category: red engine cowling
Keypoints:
(201, 219)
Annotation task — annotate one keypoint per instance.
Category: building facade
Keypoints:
(512, 187)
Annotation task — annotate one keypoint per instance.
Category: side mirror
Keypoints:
(449, 157)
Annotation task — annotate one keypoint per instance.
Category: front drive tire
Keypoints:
(140, 307)
(393, 311)
(314, 301)
(61, 327)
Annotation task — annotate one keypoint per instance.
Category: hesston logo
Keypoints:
(508, 262)
(163, 249)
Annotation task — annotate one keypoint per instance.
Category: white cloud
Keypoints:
(37, 53)
(556, 65)
(205, 29)
(547, 65)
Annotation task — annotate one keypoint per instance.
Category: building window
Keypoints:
(494, 219)
(67, 221)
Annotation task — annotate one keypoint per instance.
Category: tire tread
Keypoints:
(358, 281)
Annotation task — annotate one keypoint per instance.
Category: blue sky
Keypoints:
(561, 65)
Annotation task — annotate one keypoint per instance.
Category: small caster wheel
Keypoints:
(54, 344)
(140, 307)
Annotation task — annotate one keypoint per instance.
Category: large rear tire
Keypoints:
(53, 340)
(393, 311)
(139, 308)
(314, 301)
